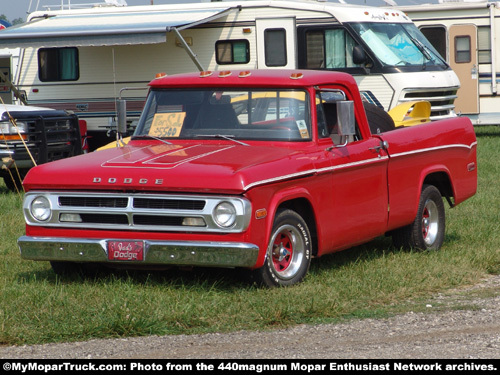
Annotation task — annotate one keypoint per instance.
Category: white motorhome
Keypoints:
(81, 59)
(466, 33)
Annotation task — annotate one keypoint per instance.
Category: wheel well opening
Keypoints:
(304, 208)
(442, 182)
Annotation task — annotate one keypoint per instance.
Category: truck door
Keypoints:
(276, 43)
(358, 206)
(464, 61)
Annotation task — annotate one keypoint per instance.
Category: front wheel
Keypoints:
(288, 253)
(427, 231)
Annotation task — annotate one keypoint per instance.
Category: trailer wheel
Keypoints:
(379, 120)
(427, 231)
(288, 253)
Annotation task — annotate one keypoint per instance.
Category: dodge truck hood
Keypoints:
(215, 168)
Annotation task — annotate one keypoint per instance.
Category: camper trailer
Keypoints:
(84, 60)
(466, 33)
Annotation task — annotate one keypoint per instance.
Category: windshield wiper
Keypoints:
(152, 137)
(228, 137)
(422, 48)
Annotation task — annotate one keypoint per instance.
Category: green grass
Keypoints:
(373, 280)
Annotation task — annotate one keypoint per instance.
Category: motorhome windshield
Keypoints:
(398, 44)
(281, 115)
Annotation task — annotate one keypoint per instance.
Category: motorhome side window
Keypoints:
(232, 51)
(58, 64)
(437, 36)
(329, 49)
(275, 47)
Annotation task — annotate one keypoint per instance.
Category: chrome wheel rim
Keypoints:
(287, 251)
(430, 222)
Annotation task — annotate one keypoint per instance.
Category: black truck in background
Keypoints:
(34, 135)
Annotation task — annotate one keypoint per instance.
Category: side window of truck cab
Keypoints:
(335, 117)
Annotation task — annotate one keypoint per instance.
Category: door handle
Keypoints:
(384, 145)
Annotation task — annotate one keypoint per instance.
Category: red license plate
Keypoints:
(126, 250)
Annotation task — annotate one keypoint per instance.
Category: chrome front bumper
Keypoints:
(182, 253)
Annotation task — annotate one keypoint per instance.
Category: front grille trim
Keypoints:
(442, 101)
(137, 211)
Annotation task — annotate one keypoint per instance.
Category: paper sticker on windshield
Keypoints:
(301, 124)
(167, 124)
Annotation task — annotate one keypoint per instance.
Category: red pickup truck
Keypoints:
(261, 170)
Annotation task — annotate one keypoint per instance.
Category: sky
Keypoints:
(19, 8)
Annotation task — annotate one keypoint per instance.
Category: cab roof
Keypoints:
(253, 78)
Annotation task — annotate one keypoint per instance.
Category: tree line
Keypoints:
(15, 21)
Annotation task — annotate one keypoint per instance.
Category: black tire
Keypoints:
(289, 251)
(379, 120)
(427, 231)
(14, 183)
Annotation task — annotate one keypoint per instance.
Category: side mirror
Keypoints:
(121, 114)
(345, 118)
(358, 55)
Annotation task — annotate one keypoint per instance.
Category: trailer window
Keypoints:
(275, 47)
(484, 44)
(232, 51)
(462, 49)
(58, 64)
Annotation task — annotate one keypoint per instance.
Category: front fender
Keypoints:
(291, 196)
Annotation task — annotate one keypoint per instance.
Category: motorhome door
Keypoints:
(464, 61)
(276, 41)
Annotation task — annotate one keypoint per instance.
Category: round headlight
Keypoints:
(225, 214)
(40, 208)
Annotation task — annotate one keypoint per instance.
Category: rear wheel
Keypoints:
(288, 253)
(427, 231)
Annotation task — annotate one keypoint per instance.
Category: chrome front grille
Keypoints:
(70, 201)
(144, 212)
(442, 101)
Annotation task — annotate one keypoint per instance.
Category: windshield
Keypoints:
(281, 115)
(398, 44)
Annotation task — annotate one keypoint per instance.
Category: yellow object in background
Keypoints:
(411, 113)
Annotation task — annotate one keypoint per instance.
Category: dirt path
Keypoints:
(447, 333)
